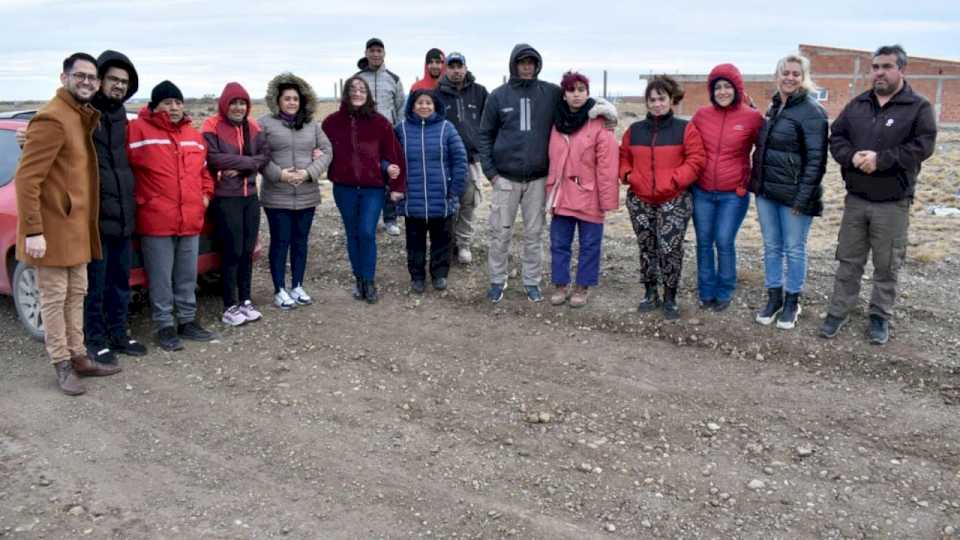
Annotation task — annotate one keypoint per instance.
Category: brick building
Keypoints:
(842, 74)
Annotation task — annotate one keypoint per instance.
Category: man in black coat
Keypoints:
(464, 99)
(108, 289)
(879, 139)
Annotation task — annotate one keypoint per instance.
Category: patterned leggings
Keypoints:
(660, 230)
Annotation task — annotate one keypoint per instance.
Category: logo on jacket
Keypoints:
(889, 122)
(738, 127)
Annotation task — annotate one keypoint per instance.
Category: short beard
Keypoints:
(888, 90)
(80, 99)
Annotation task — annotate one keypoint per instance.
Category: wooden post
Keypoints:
(604, 84)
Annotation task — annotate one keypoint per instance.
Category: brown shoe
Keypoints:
(86, 367)
(579, 297)
(67, 380)
(559, 295)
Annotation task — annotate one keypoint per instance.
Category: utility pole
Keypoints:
(604, 84)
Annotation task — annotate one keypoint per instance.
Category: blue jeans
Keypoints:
(360, 209)
(562, 229)
(289, 231)
(108, 293)
(717, 216)
(784, 237)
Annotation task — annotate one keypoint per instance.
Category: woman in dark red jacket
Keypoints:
(729, 128)
(660, 158)
(365, 150)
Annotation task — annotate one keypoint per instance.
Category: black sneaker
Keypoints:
(194, 332)
(671, 310)
(418, 286)
(708, 305)
(168, 340)
(831, 325)
(721, 305)
(440, 283)
(128, 346)
(358, 286)
(101, 354)
(774, 304)
(879, 332)
(370, 292)
(651, 299)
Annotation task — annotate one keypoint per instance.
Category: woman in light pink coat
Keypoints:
(581, 186)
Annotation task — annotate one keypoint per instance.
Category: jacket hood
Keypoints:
(110, 59)
(443, 63)
(439, 111)
(232, 91)
(364, 65)
(732, 74)
(162, 119)
(520, 50)
(273, 92)
(447, 85)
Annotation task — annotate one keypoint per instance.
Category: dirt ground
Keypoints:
(444, 416)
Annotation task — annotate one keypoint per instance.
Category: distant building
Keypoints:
(842, 74)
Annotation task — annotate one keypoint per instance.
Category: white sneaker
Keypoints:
(250, 311)
(300, 296)
(393, 229)
(283, 300)
(464, 255)
(233, 317)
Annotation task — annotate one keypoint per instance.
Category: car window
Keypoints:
(9, 155)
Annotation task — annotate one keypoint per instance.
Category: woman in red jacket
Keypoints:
(581, 187)
(660, 158)
(729, 127)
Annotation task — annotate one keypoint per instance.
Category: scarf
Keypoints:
(568, 122)
(290, 119)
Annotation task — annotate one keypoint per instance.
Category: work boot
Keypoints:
(559, 296)
(579, 296)
(790, 313)
(370, 291)
(774, 304)
(67, 379)
(358, 286)
(85, 366)
(671, 310)
(651, 298)
(831, 326)
(879, 332)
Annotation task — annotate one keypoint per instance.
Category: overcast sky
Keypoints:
(200, 45)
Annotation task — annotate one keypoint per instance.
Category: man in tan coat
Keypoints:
(57, 204)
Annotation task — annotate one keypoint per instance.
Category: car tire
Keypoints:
(26, 298)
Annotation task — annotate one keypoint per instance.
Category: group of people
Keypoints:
(89, 180)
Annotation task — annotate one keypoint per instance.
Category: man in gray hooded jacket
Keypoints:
(513, 144)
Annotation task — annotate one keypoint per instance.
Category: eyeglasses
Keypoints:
(114, 80)
(89, 77)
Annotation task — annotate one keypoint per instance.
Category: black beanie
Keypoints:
(162, 91)
(433, 54)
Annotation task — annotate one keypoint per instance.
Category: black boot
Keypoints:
(370, 291)
(791, 312)
(358, 288)
(774, 304)
(671, 310)
(651, 298)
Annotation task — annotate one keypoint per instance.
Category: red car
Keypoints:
(19, 279)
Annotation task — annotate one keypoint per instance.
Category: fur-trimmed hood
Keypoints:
(273, 93)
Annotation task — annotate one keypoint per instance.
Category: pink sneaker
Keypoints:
(233, 316)
(250, 311)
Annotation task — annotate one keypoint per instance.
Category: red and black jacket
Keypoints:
(234, 147)
(661, 157)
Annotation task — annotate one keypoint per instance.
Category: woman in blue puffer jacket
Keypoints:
(436, 165)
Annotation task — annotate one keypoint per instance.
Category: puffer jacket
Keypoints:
(436, 162)
(285, 146)
(791, 154)
(118, 210)
(386, 88)
(233, 146)
(583, 172)
(515, 127)
(170, 163)
(728, 134)
(463, 107)
(661, 157)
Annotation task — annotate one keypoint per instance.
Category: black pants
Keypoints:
(108, 293)
(238, 223)
(389, 209)
(439, 231)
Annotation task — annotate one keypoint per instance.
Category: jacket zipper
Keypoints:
(243, 179)
(355, 149)
(653, 159)
(293, 161)
(716, 164)
(423, 162)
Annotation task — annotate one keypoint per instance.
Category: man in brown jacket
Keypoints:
(57, 204)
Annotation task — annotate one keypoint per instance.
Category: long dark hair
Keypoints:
(369, 108)
(301, 116)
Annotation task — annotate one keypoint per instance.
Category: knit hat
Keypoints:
(374, 42)
(163, 91)
(433, 54)
(456, 57)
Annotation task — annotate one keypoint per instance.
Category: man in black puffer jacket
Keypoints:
(108, 289)
(880, 139)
